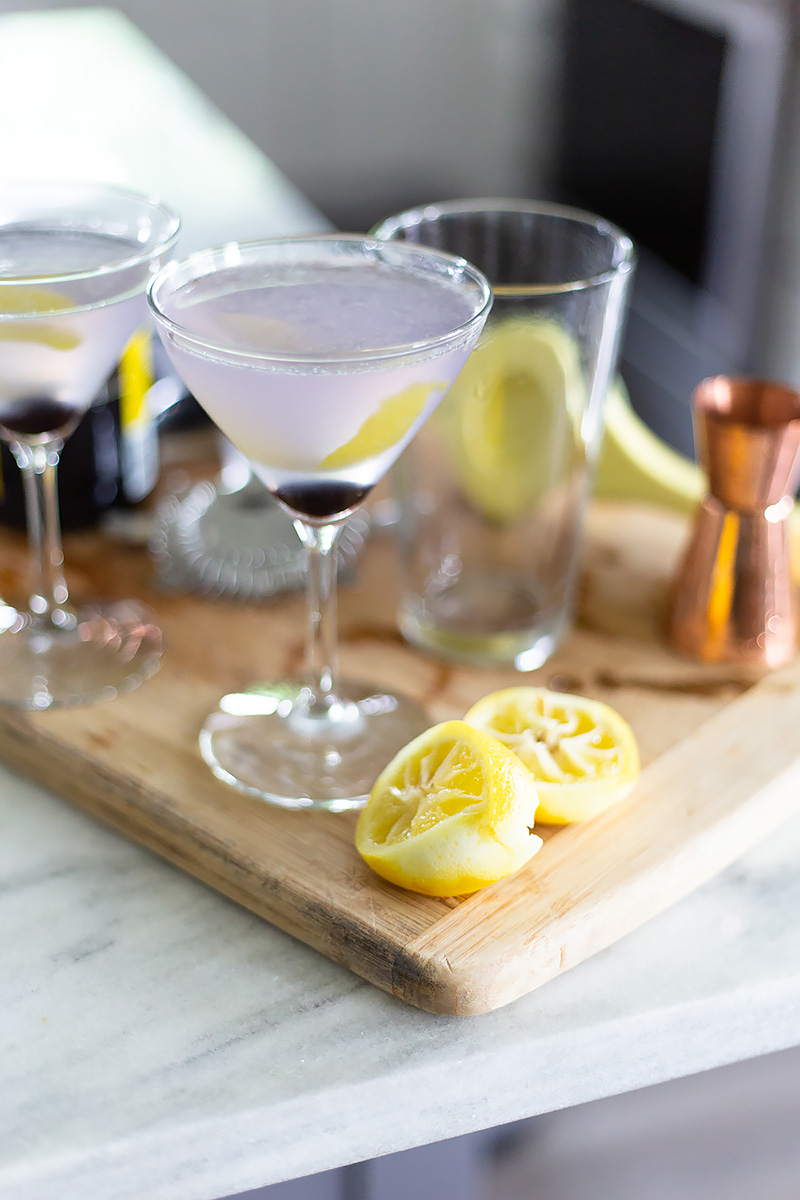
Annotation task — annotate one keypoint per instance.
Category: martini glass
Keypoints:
(74, 261)
(319, 358)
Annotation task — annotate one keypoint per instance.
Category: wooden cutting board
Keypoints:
(721, 754)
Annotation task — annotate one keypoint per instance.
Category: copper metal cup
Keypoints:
(733, 600)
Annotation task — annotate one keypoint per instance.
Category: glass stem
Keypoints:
(49, 600)
(322, 665)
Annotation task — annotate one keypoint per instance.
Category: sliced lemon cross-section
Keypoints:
(452, 812)
(581, 752)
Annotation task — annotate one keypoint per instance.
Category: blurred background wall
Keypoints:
(369, 105)
(679, 119)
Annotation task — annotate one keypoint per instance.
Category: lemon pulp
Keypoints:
(452, 812)
(581, 752)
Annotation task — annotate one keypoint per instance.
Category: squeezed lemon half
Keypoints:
(24, 299)
(511, 421)
(582, 753)
(385, 427)
(452, 812)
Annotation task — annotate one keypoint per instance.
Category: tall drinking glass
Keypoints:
(319, 358)
(493, 491)
(74, 261)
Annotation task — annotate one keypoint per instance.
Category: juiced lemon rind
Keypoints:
(452, 812)
(581, 752)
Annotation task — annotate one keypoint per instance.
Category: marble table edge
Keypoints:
(218, 1156)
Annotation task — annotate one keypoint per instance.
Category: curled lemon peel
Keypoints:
(384, 428)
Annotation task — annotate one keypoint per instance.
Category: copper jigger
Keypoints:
(733, 598)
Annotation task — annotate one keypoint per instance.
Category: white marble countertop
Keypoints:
(159, 1041)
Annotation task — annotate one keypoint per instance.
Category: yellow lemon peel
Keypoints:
(41, 333)
(385, 427)
(635, 464)
(512, 418)
(23, 300)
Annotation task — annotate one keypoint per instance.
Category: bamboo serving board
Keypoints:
(720, 751)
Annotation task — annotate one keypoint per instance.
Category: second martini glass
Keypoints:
(319, 358)
(74, 260)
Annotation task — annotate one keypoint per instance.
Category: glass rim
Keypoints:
(217, 254)
(425, 213)
(150, 202)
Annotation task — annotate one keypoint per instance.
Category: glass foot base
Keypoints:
(268, 743)
(109, 649)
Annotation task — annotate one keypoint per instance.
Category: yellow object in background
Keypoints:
(135, 380)
(139, 453)
(635, 464)
(28, 299)
(509, 421)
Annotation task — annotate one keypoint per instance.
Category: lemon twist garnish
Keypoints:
(23, 300)
(41, 333)
(385, 427)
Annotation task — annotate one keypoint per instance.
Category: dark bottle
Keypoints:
(111, 458)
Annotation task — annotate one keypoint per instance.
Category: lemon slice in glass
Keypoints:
(452, 812)
(635, 464)
(512, 418)
(24, 300)
(384, 428)
(581, 752)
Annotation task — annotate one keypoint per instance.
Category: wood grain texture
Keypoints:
(722, 767)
